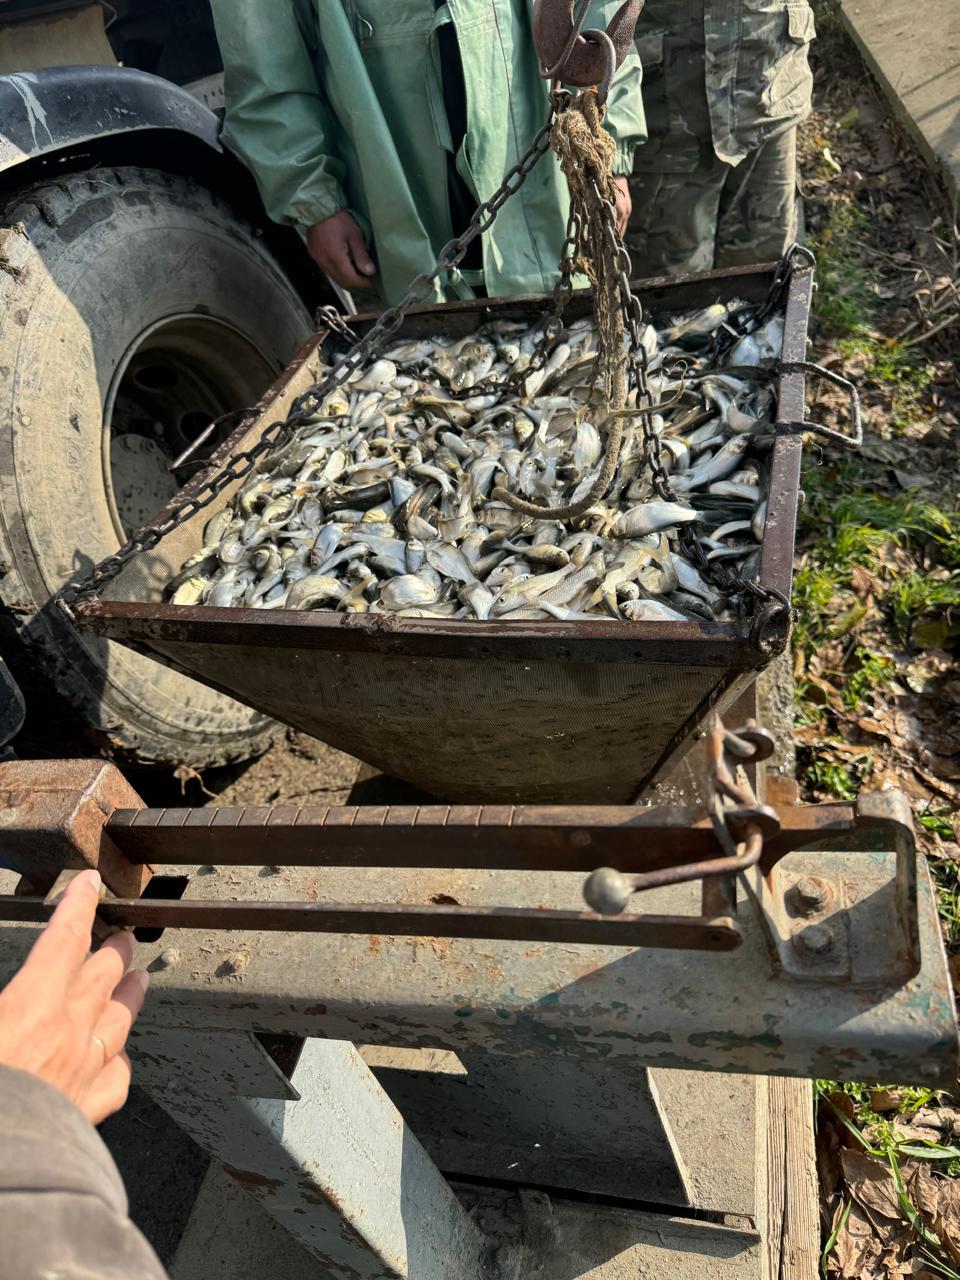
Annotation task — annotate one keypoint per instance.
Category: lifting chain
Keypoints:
(309, 402)
(772, 610)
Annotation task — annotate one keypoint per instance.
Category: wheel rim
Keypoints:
(173, 380)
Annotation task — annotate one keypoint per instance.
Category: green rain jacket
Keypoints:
(337, 105)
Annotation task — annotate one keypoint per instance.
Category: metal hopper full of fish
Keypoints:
(396, 497)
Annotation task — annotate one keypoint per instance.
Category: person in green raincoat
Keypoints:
(381, 125)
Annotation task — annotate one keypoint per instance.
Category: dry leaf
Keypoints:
(946, 1118)
(876, 730)
(911, 479)
(871, 1182)
(893, 1261)
(924, 1191)
(915, 1132)
(947, 1224)
(863, 582)
(857, 1247)
(885, 1099)
(843, 1103)
(184, 773)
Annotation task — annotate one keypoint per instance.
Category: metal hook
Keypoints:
(577, 58)
(595, 36)
(579, 16)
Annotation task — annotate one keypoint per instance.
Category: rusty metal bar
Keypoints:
(496, 837)
(515, 924)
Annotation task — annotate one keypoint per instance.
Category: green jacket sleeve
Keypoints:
(625, 120)
(277, 117)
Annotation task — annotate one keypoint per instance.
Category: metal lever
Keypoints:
(740, 823)
(573, 56)
(56, 815)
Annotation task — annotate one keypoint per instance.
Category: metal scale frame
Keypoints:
(427, 986)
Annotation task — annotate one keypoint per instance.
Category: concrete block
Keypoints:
(915, 54)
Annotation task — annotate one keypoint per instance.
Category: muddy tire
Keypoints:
(134, 307)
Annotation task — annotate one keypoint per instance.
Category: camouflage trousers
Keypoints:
(714, 214)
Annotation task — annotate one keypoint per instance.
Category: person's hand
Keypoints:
(66, 1015)
(337, 247)
(624, 203)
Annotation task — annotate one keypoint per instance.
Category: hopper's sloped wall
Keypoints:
(469, 731)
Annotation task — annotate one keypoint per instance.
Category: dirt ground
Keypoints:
(297, 769)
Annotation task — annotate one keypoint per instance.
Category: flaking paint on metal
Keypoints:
(394, 998)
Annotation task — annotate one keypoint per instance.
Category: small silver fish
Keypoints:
(651, 517)
(381, 501)
(314, 589)
(409, 590)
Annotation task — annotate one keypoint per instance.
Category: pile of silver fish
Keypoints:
(383, 502)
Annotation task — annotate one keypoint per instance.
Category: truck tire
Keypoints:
(135, 307)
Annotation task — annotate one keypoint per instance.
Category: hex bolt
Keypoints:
(810, 894)
(814, 939)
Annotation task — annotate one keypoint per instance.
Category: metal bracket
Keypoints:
(822, 924)
(53, 818)
(852, 441)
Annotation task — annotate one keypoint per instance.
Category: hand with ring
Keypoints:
(66, 1014)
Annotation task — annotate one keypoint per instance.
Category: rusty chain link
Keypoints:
(771, 606)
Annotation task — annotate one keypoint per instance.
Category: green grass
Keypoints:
(891, 365)
(879, 1137)
(946, 877)
(876, 1132)
(875, 672)
(843, 780)
(940, 824)
(880, 579)
(918, 595)
(861, 525)
(845, 307)
(857, 523)
(845, 300)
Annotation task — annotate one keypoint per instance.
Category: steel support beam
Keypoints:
(338, 1168)
(739, 1011)
(575, 1126)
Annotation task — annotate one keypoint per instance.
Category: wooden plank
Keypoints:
(801, 1228)
(775, 1208)
(792, 1210)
